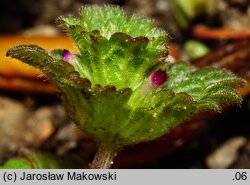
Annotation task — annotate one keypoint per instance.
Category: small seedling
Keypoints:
(120, 88)
(32, 159)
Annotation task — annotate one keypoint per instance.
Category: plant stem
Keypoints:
(103, 157)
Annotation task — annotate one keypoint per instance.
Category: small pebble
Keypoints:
(227, 154)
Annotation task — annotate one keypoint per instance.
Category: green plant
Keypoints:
(120, 89)
(31, 159)
(185, 11)
(196, 49)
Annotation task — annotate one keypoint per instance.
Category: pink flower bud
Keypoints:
(67, 56)
(158, 78)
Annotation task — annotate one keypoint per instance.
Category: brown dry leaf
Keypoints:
(204, 32)
(15, 75)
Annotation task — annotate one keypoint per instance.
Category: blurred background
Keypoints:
(205, 33)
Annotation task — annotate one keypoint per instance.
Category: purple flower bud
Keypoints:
(66, 55)
(158, 78)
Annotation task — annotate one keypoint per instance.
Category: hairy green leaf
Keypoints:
(209, 87)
